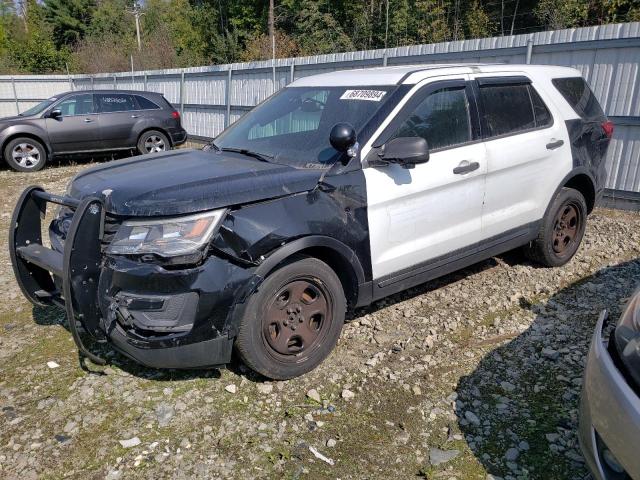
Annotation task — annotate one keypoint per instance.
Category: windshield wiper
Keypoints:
(260, 156)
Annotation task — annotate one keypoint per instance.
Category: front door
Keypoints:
(77, 129)
(419, 214)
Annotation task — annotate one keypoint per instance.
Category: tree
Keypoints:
(68, 19)
(478, 22)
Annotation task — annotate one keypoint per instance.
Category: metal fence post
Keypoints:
(182, 93)
(92, 80)
(115, 82)
(292, 72)
(227, 100)
(145, 82)
(384, 58)
(15, 94)
(529, 50)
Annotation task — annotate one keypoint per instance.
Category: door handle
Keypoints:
(466, 167)
(88, 120)
(554, 144)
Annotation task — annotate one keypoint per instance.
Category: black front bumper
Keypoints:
(161, 319)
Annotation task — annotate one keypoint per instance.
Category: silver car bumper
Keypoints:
(610, 410)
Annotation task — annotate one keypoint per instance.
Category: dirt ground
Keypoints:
(474, 376)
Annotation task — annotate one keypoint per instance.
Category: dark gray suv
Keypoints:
(88, 122)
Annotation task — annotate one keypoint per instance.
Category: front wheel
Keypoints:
(25, 154)
(561, 231)
(153, 141)
(293, 321)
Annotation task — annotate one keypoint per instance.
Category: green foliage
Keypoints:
(68, 19)
(100, 35)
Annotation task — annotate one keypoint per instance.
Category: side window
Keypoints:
(114, 102)
(76, 105)
(576, 91)
(145, 104)
(304, 116)
(442, 119)
(540, 110)
(507, 108)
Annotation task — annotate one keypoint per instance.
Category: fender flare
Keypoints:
(26, 130)
(277, 257)
(573, 173)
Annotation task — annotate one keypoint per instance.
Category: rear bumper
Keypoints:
(160, 318)
(178, 136)
(609, 414)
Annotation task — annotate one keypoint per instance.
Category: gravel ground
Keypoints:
(474, 376)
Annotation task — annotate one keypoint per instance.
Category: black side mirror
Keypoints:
(406, 151)
(342, 137)
(55, 113)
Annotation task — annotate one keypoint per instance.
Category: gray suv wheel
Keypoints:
(153, 141)
(25, 154)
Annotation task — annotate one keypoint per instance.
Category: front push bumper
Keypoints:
(79, 279)
(609, 414)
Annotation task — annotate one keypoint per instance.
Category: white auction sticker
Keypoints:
(370, 95)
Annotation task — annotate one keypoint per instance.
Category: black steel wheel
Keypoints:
(561, 231)
(293, 321)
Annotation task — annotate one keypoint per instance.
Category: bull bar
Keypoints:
(40, 270)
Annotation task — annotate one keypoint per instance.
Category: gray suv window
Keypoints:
(76, 105)
(114, 102)
(146, 104)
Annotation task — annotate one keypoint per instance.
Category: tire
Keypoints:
(25, 154)
(153, 141)
(561, 231)
(293, 321)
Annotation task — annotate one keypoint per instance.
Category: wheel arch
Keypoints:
(579, 179)
(31, 135)
(342, 260)
(338, 256)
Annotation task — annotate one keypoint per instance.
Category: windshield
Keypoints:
(38, 108)
(292, 127)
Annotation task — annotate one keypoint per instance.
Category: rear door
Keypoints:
(78, 128)
(118, 116)
(527, 151)
(417, 215)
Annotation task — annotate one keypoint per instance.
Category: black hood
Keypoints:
(188, 181)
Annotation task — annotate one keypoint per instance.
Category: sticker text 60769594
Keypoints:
(370, 95)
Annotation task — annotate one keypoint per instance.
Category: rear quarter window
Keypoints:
(578, 94)
(146, 104)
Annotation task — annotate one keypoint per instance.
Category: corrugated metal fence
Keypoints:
(210, 98)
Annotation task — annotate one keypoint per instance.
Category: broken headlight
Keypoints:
(166, 237)
(627, 337)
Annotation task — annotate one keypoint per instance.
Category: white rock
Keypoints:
(132, 442)
(314, 395)
(265, 388)
(231, 388)
(348, 394)
(51, 364)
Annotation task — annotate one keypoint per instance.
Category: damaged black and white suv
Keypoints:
(339, 190)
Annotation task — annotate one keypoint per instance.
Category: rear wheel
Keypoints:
(293, 321)
(561, 231)
(153, 141)
(25, 154)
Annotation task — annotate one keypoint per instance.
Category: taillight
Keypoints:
(175, 114)
(607, 128)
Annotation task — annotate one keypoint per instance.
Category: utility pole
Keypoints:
(137, 13)
(272, 34)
